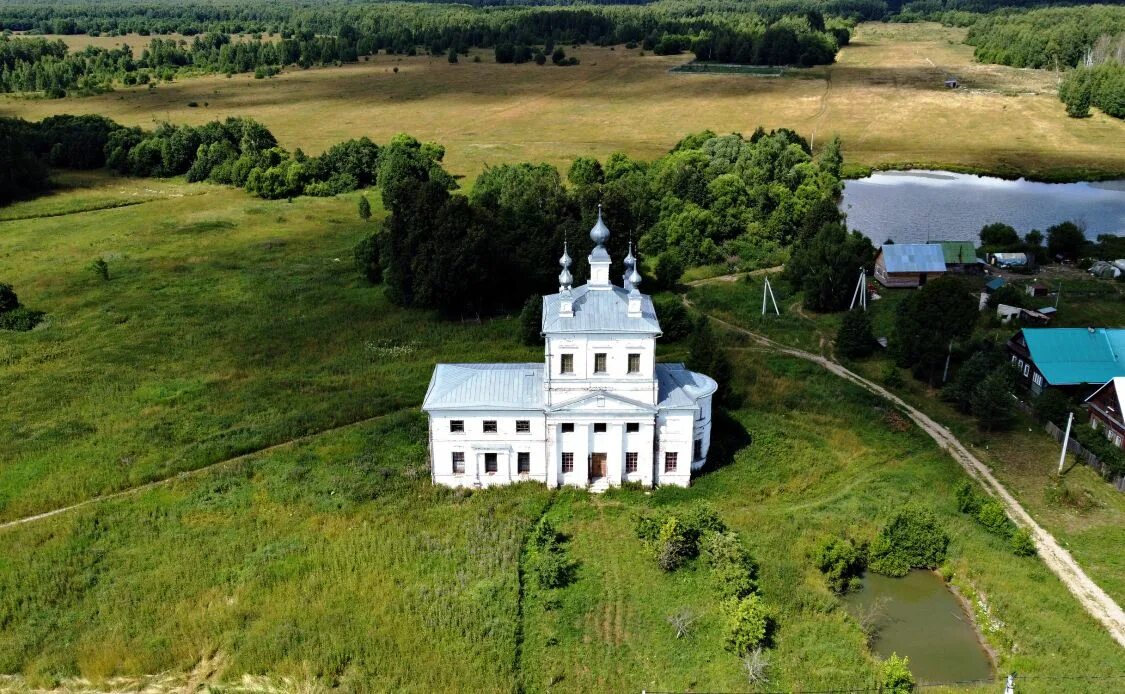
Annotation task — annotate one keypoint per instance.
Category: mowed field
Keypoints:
(884, 97)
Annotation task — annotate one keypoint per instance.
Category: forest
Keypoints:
(1052, 38)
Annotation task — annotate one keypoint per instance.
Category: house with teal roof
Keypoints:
(1074, 359)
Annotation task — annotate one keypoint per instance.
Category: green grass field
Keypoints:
(884, 97)
(231, 324)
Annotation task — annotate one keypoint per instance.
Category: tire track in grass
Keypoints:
(189, 474)
(1090, 595)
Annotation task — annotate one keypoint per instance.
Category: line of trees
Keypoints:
(1044, 38)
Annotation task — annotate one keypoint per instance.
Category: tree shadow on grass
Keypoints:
(728, 437)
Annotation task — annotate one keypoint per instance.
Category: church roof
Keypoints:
(601, 310)
(680, 387)
(485, 387)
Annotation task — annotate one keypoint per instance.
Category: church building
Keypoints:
(596, 412)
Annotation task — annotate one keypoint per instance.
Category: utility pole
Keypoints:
(948, 356)
(768, 290)
(1066, 439)
(1058, 295)
(860, 292)
(1010, 685)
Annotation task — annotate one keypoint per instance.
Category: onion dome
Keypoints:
(565, 278)
(634, 280)
(600, 232)
(630, 264)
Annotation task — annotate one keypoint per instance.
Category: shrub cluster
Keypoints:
(13, 315)
(546, 557)
(912, 539)
(990, 514)
(1095, 442)
(674, 539)
(842, 562)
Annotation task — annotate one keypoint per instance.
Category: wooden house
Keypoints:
(1036, 289)
(1074, 359)
(1107, 410)
(908, 264)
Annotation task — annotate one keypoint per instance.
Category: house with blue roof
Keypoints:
(909, 264)
(597, 411)
(1075, 359)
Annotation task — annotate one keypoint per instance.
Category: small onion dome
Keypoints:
(565, 259)
(565, 280)
(635, 278)
(600, 232)
(630, 261)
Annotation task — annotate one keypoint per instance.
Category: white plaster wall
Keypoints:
(675, 433)
(506, 443)
(617, 379)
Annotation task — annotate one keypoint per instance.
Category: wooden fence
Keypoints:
(1085, 456)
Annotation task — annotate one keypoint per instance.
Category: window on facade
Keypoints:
(1025, 369)
(632, 427)
(458, 463)
(490, 462)
(634, 363)
(566, 363)
(490, 426)
(457, 426)
(599, 427)
(523, 426)
(697, 450)
(568, 462)
(599, 362)
(630, 462)
(568, 427)
(523, 462)
(670, 462)
(1037, 379)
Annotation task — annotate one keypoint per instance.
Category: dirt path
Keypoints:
(1095, 600)
(185, 475)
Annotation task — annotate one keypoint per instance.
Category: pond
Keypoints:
(917, 616)
(920, 206)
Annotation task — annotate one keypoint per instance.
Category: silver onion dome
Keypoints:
(600, 232)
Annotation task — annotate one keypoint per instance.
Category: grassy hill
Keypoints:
(231, 324)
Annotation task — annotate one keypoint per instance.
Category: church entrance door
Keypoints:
(597, 465)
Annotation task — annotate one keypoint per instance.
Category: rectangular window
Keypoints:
(523, 426)
(630, 462)
(1037, 379)
(523, 462)
(566, 364)
(670, 462)
(568, 462)
(634, 363)
(697, 451)
(632, 427)
(457, 426)
(458, 463)
(1025, 368)
(599, 427)
(568, 427)
(490, 462)
(490, 426)
(599, 362)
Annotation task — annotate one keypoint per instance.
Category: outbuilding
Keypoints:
(1107, 410)
(960, 256)
(1036, 289)
(908, 264)
(1008, 260)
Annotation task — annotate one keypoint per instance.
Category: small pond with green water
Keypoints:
(920, 618)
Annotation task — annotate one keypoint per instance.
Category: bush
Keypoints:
(891, 376)
(673, 545)
(733, 569)
(100, 268)
(8, 299)
(1052, 406)
(546, 559)
(991, 515)
(912, 539)
(895, 676)
(674, 539)
(1022, 544)
(20, 319)
(854, 339)
(967, 499)
(669, 268)
(842, 562)
(368, 259)
(749, 624)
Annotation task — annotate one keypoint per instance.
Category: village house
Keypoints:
(1107, 410)
(908, 264)
(596, 412)
(1069, 358)
(960, 257)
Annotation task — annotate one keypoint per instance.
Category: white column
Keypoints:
(646, 455)
(584, 433)
(615, 456)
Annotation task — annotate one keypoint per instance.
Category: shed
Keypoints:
(908, 264)
(1036, 289)
(960, 256)
(994, 284)
(952, 83)
(1008, 259)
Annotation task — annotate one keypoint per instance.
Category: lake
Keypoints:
(920, 618)
(917, 206)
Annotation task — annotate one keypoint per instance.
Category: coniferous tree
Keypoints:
(855, 339)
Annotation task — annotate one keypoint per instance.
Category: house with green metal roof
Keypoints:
(1071, 358)
(960, 256)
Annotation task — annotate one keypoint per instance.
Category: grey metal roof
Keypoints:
(485, 387)
(913, 257)
(680, 387)
(599, 311)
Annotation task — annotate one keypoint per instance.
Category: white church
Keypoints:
(598, 410)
